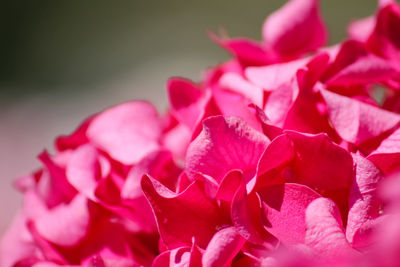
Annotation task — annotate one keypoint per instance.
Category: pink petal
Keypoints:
(278, 104)
(177, 140)
(272, 76)
(222, 248)
(246, 217)
(190, 210)
(65, 225)
(307, 159)
(361, 29)
(271, 131)
(363, 200)
(179, 257)
(226, 143)
(284, 210)
(234, 105)
(246, 51)
(187, 101)
(355, 121)
(365, 70)
(324, 229)
(127, 132)
(158, 164)
(228, 186)
(236, 83)
(53, 186)
(297, 22)
(384, 39)
(83, 170)
(16, 243)
(76, 139)
(387, 155)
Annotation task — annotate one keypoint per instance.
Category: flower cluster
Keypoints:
(285, 155)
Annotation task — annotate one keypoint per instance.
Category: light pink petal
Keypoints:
(325, 234)
(127, 132)
(272, 76)
(236, 83)
(279, 103)
(66, 224)
(190, 210)
(361, 29)
(222, 248)
(226, 143)
(177, 141)
(187, 101)
(295, 28)
(387, 155)
(284, 210)
(355, 121)
(46, 248)
(16, 243)
(363, 200)
(83, 170)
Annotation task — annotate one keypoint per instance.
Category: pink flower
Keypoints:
(281, 156)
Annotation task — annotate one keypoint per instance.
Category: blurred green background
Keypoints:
(69, 46)
(63, 60)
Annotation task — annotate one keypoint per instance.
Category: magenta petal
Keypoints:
(363, 201)
(355, 121)
(226, 143)
(385, 40)
(127, 132)
(246, 216)
(228, 186)
(325, 232)
(297, 22)
(271, 131)
(387, 155)
(222, 248)
(190, 210)
(65, 225)
(284, 210)
(316, 161)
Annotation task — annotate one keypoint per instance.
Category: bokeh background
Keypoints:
(64, 60)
